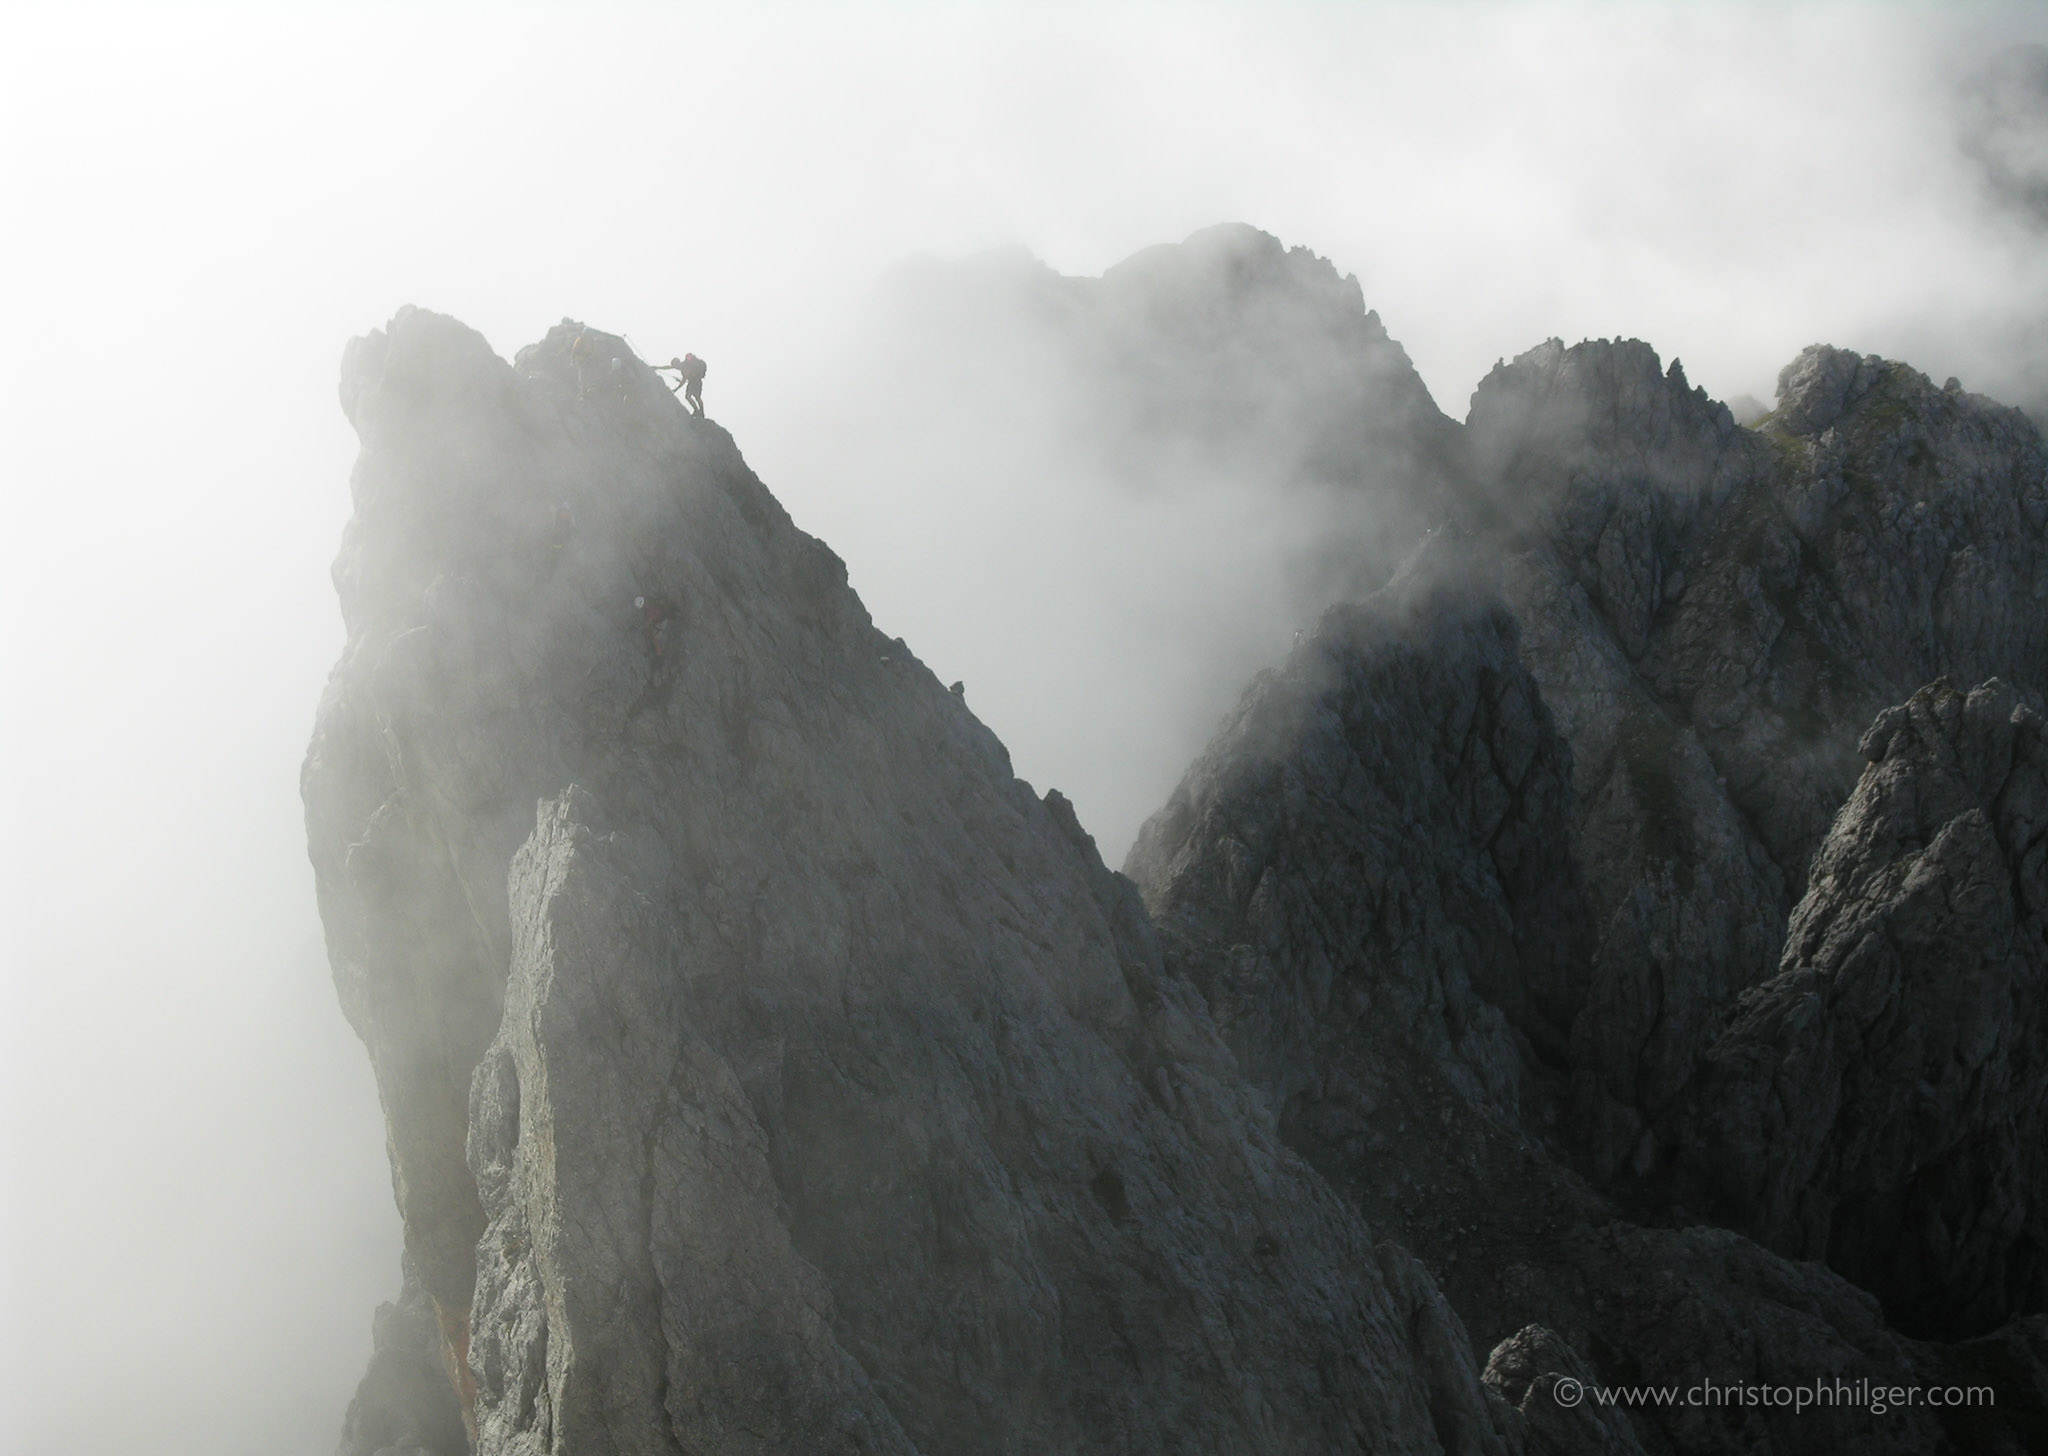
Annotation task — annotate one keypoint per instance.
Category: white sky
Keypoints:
(198, 207)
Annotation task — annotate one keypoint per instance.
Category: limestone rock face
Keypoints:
(1714, 615)
(1548, 974)
(406, 1402)
(1882, 1103)
(1327, 875)
(766, 1067)
(1374, 853)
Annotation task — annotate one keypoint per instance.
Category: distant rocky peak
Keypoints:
(1224, 368)
(767, 1068)
(1236, 261)
(1821, 385)
(1599, 394)
(1571, 429)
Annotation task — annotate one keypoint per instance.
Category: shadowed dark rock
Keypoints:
(767, 1068)
(1541, 1376)
(1327, 874)
(1882, 1103)
(1714, 614)
(1376, 847)
(794, 1078)
(406, 1401)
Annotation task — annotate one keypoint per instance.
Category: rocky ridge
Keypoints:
(1715, 615)
(1879, 1102)
(1227, 361)
(795, 1078)
(1542, 961)
(1364, 830)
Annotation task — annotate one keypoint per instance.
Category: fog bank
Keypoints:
(208, 201)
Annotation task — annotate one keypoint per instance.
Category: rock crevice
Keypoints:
(1612, 949)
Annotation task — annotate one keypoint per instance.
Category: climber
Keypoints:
(564, 528)
(580, 352)
(656, 612)
(689, 372)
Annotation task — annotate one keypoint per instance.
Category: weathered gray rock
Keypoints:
(406, 1400)
(767, 1068)
(1714, 615)
(1541, 1376)
(1730, 1330)
(1821, 385)
(1375, 848)
(796, 1078)
(1882, 1103)
(1308, 873)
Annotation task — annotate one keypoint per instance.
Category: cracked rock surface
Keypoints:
(1882, 1102)
(1386, 811)
(767, 1067)
(1714, 615)
(1610, 950)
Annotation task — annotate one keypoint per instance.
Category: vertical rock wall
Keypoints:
(767, 1068)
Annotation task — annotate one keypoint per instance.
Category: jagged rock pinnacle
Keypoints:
(1607, 952)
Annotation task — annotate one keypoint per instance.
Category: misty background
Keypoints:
(203, 204)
